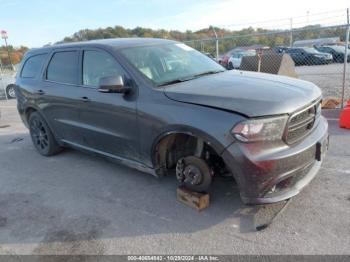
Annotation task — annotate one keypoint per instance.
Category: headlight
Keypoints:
(261, 129)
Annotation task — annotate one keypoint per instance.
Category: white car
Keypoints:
(7, 85)
(235, 60)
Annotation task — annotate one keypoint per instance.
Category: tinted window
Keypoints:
(98, 64)
(63, 67)
(32, 66)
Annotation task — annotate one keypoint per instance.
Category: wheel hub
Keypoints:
(12, 92)
(192, 175)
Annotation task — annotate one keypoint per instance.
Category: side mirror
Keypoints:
(113, 84)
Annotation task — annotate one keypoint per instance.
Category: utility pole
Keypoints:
(291, 33)
(216, 43)
(4, 36)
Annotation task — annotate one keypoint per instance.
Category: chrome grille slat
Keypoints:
(301, 123)
(307, 121)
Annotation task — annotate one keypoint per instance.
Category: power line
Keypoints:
(273, 32)
(313, 22)
(284, 19)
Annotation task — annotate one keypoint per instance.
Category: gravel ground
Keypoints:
(75, 203)
(328, 77)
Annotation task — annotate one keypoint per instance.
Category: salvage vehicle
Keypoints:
(309, 56)
(337, 51)
(164, 108)
(234, 62)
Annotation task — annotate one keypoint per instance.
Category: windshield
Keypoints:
(168, 63)
(311, 50)
(339, 49)
(240, 54)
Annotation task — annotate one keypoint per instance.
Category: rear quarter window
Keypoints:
(32, 66)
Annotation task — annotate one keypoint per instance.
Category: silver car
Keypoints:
(7, 85)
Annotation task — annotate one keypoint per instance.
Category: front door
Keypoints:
(109, 120)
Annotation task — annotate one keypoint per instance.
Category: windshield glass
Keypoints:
(171, 62)
(240, 54)
(339, 49)
(311, 50)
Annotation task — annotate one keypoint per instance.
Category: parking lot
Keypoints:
(328, 77)
(75, 203)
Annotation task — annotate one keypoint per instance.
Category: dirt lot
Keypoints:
(328, 77)
(74, 203)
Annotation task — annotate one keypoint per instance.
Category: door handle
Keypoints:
(40, 92)
(85, 99)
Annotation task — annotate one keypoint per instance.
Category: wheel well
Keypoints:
(10, 85)
(29, 111)
(178, 145)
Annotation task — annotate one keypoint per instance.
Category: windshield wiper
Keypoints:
(179, 80)
(207, 73)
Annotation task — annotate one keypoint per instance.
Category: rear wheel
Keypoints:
(230, 65)
(42, 136)
(10, 92)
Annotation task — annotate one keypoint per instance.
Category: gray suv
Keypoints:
(166, 109)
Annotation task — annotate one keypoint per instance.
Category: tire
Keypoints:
(230, 66)
(200, 166)
(42, 137)
(11, 92)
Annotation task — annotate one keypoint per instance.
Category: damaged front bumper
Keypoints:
(272, 172)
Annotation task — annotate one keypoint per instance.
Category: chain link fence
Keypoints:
(316, 54)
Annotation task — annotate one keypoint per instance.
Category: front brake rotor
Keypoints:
(194, 173)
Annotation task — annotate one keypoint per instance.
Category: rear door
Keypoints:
(61, 94)
(109, 120)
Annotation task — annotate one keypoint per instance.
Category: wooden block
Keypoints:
(330, 103)
(198, 201)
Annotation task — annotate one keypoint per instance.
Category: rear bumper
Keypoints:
(271, 173)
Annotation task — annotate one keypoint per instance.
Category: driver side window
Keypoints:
(97, 64)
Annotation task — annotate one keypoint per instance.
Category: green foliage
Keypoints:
(16, 54)
(204, 39)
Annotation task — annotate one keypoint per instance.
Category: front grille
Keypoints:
(301, 123)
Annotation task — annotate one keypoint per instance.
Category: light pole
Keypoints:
(4, 36)
(291, 33)
(216, 43)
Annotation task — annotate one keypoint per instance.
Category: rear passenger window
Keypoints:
(63, 67)
(32, 66)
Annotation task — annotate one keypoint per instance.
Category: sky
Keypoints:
(35, 23)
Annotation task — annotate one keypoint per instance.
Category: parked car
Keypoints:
(308, 56)
(236, 58)
(280, 49)
(162, 107)
(223, 60)
(338, 52)
(7, 85)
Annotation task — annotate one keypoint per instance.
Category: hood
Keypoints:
(247, 93)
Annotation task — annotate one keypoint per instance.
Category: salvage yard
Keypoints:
(75, 203)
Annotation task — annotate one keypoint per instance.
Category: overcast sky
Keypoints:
(38, 22)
